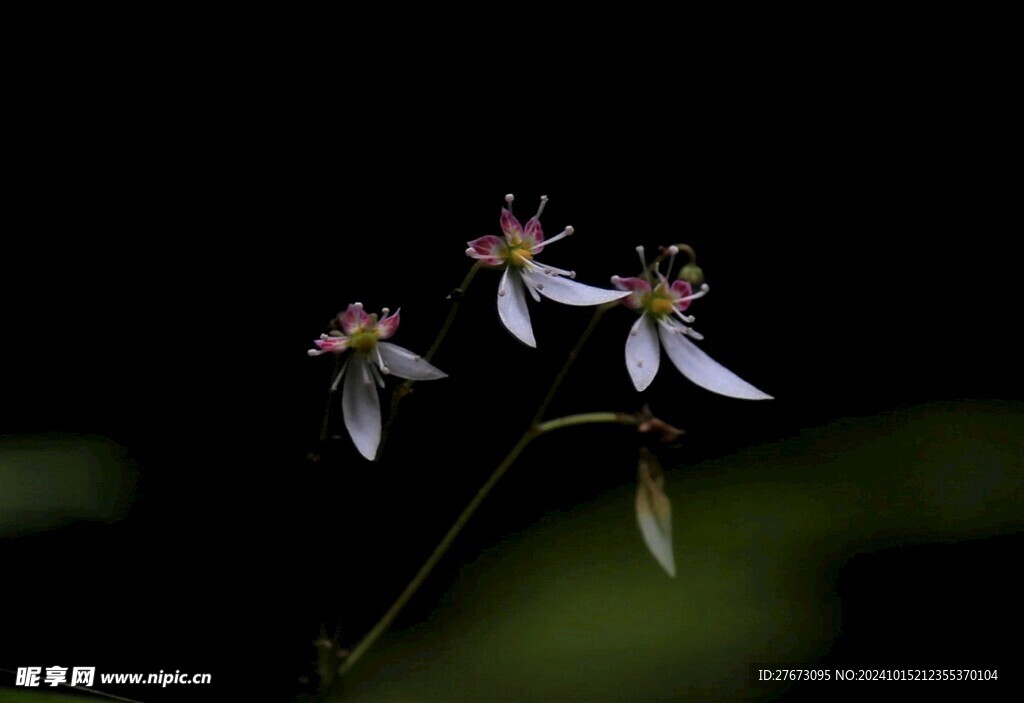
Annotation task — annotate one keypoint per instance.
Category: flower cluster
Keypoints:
(661, 304)
(663, 323)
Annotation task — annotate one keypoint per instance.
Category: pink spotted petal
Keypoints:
(533, 235)
(682, 289)
(638, 287)
(329, 345)
(488, 250)
(353, 318)
(510, 225)
(388, 324)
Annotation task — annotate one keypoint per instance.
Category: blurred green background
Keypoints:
(575, 609)
(52, 481)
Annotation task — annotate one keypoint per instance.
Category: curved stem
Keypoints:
(467, 512)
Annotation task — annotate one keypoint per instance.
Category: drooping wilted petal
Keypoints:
(700, 368)
(643, 352)
(403, 363)
(488, 249)
(637, 287)
(360, 406)
(569, 292)
(512, 308)
(510, 225)
(654, 511)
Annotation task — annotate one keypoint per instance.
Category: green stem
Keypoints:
(467, 513)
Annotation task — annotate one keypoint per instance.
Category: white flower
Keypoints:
(370, 361)
(515, 254)
(661, 307)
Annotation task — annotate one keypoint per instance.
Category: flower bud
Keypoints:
(692, 274)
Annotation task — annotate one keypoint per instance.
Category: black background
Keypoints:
(172, 254)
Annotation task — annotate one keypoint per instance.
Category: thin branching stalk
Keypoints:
(446, 542)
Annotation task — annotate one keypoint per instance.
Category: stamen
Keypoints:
(532, 288)
(337, 379)
(567, 232)
(552, 271)
(377, 378)
(643, 263)
(680, 329)
(358, 305)
(502, 292)
(688, 319)
(508, 201)
(384, 312)
(669, 326)
(380, 360)
(543, 202)
(704, 290)
(672, 251)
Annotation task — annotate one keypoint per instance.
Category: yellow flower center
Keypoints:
(518, 253)
(364, 340)
(520, 256)
(660, 307)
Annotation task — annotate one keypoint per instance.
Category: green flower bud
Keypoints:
(692, 274)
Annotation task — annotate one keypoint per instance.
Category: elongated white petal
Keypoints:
(569, 292)
(707, 373)
(361, 407)
(512, 308)
(654, 512)
(643, 353)
(403, 363)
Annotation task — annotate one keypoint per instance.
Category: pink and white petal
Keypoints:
(353, 318)
(643, 352)
(533, 235)
(512, 308)
(510, 226)
(569, 292)
(682, 289)
(488, 249)
(405, 364)
(707, 373)
(388, 324)
(654, 513)
(361, 407)
(637, 287)
(327, 345)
